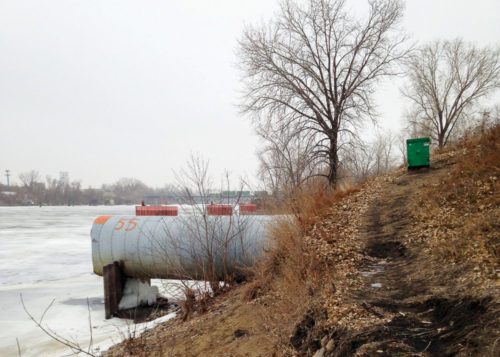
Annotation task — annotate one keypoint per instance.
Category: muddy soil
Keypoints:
(423, 312)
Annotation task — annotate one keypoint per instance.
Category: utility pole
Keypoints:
(7, 174)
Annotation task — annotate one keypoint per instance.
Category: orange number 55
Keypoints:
(132, 223)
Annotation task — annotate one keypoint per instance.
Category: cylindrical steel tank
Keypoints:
(177, 247)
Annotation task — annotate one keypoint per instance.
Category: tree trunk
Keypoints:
(333, 163)
(441, 139)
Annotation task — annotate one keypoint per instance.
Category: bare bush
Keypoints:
(205, 252)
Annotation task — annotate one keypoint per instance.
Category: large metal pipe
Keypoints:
(177, 247)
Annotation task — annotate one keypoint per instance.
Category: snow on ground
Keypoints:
(46, 255)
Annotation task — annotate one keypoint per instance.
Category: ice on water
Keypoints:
(45, 255)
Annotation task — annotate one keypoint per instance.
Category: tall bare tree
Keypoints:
(446, 80)
(315, 66)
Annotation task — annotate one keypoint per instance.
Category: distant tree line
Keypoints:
(62, 191)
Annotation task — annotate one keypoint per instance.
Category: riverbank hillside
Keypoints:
(406, 264)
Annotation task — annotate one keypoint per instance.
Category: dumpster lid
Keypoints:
(417, 140)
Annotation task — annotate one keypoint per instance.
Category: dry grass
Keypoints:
(460, 217)
(134, 342)
(290, 277)
(290, 258)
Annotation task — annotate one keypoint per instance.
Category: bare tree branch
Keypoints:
(72, 345)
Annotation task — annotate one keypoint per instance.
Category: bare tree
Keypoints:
(288, 158)
(373, 158)
(383, 148)
(31, 185)
(358, 162)
(401, 143)
(485, 117)
(29, 178)
(315, 66)
(129, 190)
(446, 80)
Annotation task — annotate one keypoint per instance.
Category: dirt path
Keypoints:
(405, 289)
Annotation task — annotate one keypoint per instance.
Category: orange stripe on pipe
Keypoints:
(101, 219)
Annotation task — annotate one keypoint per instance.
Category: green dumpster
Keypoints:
(418, 152)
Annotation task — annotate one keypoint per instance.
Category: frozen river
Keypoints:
(45, 255)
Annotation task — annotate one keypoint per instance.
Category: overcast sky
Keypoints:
(110, 89)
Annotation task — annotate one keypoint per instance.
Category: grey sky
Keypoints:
(111, 89)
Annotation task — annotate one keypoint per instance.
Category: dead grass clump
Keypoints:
(134, 343)
(252, 290)
(188, 304)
